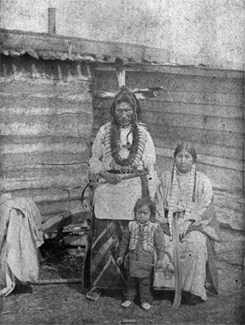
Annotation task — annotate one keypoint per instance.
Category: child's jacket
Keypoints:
(142, 242)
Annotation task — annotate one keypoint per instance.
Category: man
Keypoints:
(122, 162)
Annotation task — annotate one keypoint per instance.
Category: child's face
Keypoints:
(143, 214)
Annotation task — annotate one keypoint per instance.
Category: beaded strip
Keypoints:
(111, 140)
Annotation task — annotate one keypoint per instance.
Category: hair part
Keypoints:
(186, 147)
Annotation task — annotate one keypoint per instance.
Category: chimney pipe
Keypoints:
(51, 20)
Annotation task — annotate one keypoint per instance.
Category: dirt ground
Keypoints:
(66, 304)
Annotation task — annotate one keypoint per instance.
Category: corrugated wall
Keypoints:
(205, 107)
(45, 122)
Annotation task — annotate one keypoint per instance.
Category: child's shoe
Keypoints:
(126, 303)
(146, 306)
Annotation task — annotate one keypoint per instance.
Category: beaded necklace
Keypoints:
(115, 147)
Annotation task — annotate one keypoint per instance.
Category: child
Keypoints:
(141, 241)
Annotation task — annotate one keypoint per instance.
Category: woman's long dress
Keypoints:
(196, 246)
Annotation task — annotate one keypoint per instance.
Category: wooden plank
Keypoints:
(70, 97)
(186, 83)
(160, 105)
(231, 181)
(197, 97)
(145, 67)
(202, 98)
(45, 140)
(230, 201)
(20, 183)
(48, 194)
(54, 170)
(83, 118)
(222, 156)
(12, 100)
(230, 218)
(232, 153)
(83, 107)
(43, 148)
(170, 81)
(196, 135)
(207, 160)
(45, 87)
(206, 141)
(19, 161)
(57, 126)
(235, 125)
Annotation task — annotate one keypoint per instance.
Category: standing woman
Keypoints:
(122, 167)
(188, 193)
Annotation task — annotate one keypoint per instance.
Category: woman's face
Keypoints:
(143, 214)
(183, 161)
(124, 114)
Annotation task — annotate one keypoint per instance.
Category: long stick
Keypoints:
(177, 271)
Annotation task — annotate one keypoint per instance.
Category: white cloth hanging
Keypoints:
(20, 237)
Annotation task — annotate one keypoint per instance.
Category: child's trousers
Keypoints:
(144, 287)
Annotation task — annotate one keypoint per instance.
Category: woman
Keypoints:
(122, 167)
(187, 195)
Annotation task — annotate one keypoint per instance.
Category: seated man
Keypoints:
(20, 237)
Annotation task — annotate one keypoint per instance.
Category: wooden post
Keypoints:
(121, 77)
(51, 20)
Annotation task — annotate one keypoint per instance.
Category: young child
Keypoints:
(142, 241)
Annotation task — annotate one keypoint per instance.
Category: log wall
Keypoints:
(45, 121)
(205, 107)
(47, 115)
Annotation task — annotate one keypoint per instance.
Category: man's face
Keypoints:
(124, 114)
(184, 161)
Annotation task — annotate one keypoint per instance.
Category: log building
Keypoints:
(51, 108)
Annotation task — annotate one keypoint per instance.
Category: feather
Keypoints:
(146, 92)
